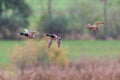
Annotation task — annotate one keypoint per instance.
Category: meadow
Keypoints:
(88, 59)
(76, 49)
(85, 68)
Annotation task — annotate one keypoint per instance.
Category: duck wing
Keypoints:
(58, 40)
(98, 23)
(26, 31)
(50, 42)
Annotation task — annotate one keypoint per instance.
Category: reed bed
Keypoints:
(85, 69)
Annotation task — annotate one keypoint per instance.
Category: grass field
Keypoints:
(76, 48)
(92, 48)
(5, 47)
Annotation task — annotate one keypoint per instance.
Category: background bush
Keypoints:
(35, 53)
(55, 24)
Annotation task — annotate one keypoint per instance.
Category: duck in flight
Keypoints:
(53, 37)
(34, 34)
(94, 27)
(29, 34)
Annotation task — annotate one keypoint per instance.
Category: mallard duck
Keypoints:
(29, 34)
(94, 27)
(53, 37)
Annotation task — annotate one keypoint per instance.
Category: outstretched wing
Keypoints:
(26, 30)
(58, 41)
(98, 23)
(50, 42)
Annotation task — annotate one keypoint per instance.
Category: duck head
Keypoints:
(89, 26)
(21, 33)
(25, 34)
(50, 35)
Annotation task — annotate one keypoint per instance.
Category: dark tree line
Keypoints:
(79, 14)
(13, 16)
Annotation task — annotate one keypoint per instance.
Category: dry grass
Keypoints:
(33, 53)
(85, 69)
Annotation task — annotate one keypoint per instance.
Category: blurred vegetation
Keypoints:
(100, 49)
(79, 13)
(34, 53)
(57, 24)
(66, 17)
(13, 16)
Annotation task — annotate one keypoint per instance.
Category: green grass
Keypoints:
(5, 50)
(92, 48)
(76, 48)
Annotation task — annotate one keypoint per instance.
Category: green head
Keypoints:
(21, 33)
(47, 34)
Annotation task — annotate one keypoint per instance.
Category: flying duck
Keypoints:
(54, 37)
(94, 27)
(29, 34)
